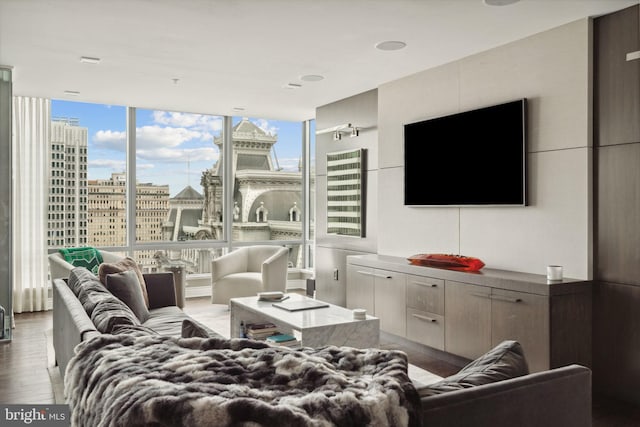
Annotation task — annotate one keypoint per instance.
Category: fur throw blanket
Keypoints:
(142, 380)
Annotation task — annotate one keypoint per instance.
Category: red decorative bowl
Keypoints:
(448, 261)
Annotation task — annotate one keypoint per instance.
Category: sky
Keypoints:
(172, 148)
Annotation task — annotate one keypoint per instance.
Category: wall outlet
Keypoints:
(335, 274)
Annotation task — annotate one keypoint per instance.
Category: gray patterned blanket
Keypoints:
(128, 380)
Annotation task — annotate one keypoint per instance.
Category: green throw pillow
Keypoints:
(86, 257)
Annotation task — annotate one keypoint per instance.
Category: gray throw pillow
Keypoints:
(504, 361)
(120, 266)
(126, 286)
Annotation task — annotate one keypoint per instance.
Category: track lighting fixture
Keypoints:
(338, 131)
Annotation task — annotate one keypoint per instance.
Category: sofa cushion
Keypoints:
(87, 257)
(136, 330)
(168, 321)
(78, 276)
(110, 312)
(191, 329)
(87, 288)
(126, 287)
(504, 361)
(125, 264)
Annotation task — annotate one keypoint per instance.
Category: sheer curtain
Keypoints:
(31, 135)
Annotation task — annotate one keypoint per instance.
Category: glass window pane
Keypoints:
(175, 154)
(312, 190)
(87, 202)
(267, 164)
(196, 261)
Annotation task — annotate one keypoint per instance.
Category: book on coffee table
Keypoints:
(305, 304)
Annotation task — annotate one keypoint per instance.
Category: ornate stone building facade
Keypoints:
(266, 200)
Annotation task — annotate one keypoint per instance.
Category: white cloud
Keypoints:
(111, 139)
(199, 122)
(115, 165)
(164, 154)
(266, 126)
(156, 137)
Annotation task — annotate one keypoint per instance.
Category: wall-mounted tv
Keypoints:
(472, 158)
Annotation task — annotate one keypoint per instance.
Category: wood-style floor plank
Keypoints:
(24, 378)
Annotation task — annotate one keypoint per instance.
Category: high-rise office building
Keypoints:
(67, 216)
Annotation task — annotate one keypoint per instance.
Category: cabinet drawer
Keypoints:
(425, 328)
(425, 294)
(390, 301)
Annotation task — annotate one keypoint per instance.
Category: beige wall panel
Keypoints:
(551, 70)
(359, 110)
(554, 229)
(327, 287)
(405, 231)
(431, 93)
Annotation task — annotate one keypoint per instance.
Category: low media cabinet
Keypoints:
(468, 313)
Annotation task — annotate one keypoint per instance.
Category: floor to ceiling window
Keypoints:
(184, 209)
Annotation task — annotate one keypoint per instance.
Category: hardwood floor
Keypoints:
(24, 378)
(23, 362)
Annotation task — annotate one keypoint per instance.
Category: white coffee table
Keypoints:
(317, 327)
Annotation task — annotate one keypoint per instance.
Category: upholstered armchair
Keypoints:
(59, 268)
(247, 271)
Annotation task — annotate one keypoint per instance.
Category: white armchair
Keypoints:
(247, 271)
(60, 269)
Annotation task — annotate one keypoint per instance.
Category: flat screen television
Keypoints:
(472, 158)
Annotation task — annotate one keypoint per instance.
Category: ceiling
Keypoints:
(211, 56)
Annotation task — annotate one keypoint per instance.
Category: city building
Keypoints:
(107, 222)
(67, 210)
(266, 199)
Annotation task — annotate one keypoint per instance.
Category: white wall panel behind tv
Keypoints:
(550, 69)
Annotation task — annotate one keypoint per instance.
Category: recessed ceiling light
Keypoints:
(391, 45)
(238, 108)
(311, 78)
(292, 86)
(500, 2)
(71, 92)
(89, 60)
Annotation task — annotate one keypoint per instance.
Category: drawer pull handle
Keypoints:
(507, 299)
(428, 319)
(480, 295)
(366, 273)
(431, 285)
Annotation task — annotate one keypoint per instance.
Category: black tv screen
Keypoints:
(473, 158)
